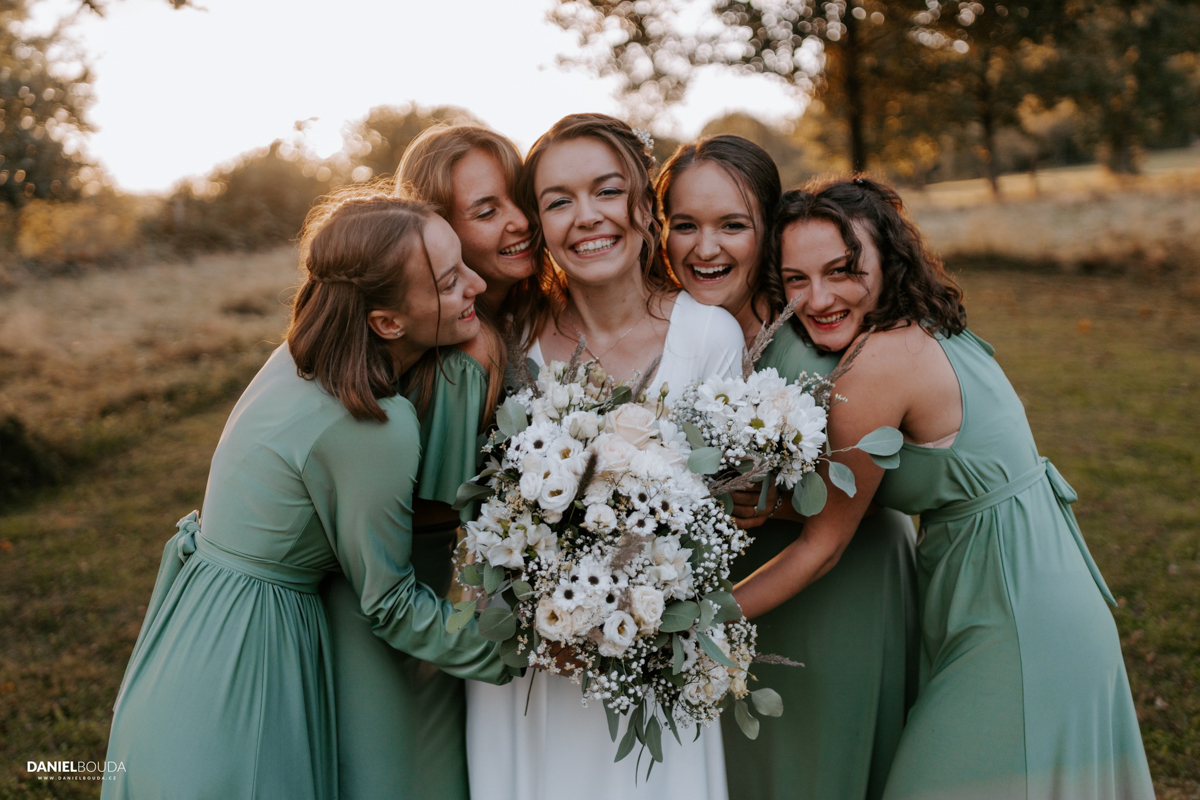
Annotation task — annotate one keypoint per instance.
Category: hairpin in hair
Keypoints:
(859, 182)
(646, 139)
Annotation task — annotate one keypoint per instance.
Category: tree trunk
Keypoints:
(987, 118)
(855, 118)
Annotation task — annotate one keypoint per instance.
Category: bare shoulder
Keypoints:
(892, 353)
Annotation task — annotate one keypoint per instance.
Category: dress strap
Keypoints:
(1062, 492)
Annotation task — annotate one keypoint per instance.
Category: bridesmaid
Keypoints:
(589, 179)
(228, 692)
(401, 723)
(855, 629)
(1025, 695)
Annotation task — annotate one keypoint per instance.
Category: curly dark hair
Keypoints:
(916, 287)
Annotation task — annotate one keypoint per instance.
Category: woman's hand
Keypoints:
(745, 506)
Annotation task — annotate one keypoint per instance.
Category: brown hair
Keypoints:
(354, 249)
(915, 286)
(425, 171)
(757, 178)
(639, 167)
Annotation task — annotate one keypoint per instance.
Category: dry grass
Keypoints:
(86, 362)
(1076, 219)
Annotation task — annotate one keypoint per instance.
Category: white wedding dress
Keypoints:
(558, 748)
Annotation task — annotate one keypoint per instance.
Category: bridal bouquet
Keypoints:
(604, 543)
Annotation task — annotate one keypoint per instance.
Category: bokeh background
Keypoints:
(158, 156)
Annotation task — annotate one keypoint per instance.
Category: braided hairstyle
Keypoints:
(915, 286)
(639, 165)
(356, 250)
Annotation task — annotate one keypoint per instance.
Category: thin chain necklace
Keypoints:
(600, 356)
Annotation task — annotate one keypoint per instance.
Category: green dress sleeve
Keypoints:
(790, 355)
(450, 430)
(360, 477)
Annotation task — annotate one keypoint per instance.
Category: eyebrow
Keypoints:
(442, 277)
(736, 215)
(596, 182)
(491, 198)
(829, 263)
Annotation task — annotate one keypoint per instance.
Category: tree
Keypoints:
(843, 51)
(42, 106)
(373, 145)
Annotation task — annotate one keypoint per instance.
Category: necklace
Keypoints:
(600, 356)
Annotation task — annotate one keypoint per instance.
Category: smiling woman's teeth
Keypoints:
(468, 312)
(710, 273)
(831, 318)
(516, 249)
(592, 245)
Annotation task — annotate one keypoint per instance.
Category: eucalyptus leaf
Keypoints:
(470, 576)
(883, 441)
(744, 466)
(745, 720)
(621, 395)
(522, 589)
(705, 461)
(458, 620)
(767, 702)
(842, 477)
(694, 437)
(660, 641)
(811, 494)
(510, 417)
(468, 493)
(497, 624)
(767, 482)
(635, 721)
(670, 715)
(887, 462)
(679, 616)
(534, 367)
(714, 652)
(707, 612)
(729, 609)
(727, 502)
(627, 742)
(509, 655)
(493, 576)
(654, 738)
(614, 722)
(725, 584)
(677, 655)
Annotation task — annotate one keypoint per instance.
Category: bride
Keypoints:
(589, 180)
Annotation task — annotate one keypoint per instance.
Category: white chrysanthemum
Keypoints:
(809, 421)
(720, 396)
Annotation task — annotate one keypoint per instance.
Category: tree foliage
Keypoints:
(374, 144)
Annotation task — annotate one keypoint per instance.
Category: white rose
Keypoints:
(633, 423)
(646, 604)
(531, 485)
(551, 621)
(614, 453)
(619, 630)
(600, 518)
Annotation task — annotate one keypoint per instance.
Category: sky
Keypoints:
(180, 92)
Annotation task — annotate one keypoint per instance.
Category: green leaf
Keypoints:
(510, 417)
(730, 610)
(654, 738)
(670, 714)
(842, 477)
(493, 576)
(534, 367)
(459, 619)
(705, 460)
(767, 702)
(627, 742)
(497, 624)
(883, 441)
(677, 654)
(707, 612)
(614, 722)
(712, 650)
(660, 641)
(679, 616)
(522, 589)
(635, 722)
(621, 395)
(810, 498)
(744, 466)
(767, 482)
(727, 503)
(887, 462)
(745, 720)
(725, 584)
(694, 436)
(470, 575)
(510, 656)
(468, 493)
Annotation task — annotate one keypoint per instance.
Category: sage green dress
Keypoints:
(229, 691)
(1026, 694)
(855, 631)
(401, 721)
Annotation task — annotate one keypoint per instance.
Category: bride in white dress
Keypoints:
(589, 178)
